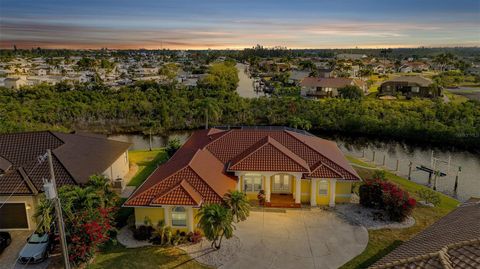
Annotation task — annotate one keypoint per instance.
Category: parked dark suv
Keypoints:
(5, 240)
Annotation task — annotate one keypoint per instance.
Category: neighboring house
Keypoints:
(409, 86)
(316, 87)
(15, 82)
(75, 158)
(405, 69)
(291, 166)
(452, 242)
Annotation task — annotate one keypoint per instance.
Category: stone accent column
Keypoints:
(333, 184)
(267, 188)
(166, 215)
(313, 192)
(190, 225)
(298, 190)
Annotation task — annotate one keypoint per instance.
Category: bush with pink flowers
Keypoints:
(385, 195)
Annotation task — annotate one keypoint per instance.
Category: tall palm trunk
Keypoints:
(206, 118)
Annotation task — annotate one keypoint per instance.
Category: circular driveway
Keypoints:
(302, 238)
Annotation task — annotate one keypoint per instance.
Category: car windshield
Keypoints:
(37, 238)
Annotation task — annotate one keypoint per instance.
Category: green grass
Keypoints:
(455, 98)
(146, 161)
(383, 241)
(148, 257)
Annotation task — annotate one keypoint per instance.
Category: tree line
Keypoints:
(170, 107)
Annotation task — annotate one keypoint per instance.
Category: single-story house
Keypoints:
(15, 82)
(76, 156)
(410, 86)
(291, 166)
(318, 87)
(452, 242)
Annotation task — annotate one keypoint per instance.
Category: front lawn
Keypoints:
(146, 161)
(147, 257)
(383, 241)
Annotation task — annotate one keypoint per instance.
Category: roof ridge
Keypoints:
(175, 187)
(268, 140)
(442, 255)
(306, 144)
(262, 144)
(305, 165)
(216, 139)
(63, 165)
(323, 164)
(195, 172)
(134, 195)
(27, 180)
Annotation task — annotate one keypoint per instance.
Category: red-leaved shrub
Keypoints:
(396, 202)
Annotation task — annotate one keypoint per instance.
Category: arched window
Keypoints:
(179, 216)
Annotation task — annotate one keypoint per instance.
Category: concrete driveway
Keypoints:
(302, 238)
(9, 256)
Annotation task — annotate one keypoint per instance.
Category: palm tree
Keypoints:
(216, 221)
(210, 107)
(238, 204)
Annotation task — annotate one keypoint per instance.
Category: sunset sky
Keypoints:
(219, 24)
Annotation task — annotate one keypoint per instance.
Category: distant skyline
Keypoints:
(216, 24)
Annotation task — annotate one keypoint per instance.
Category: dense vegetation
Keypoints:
(131, 109)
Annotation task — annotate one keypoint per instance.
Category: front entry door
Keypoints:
(282, 184)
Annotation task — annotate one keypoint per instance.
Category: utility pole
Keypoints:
(53, 195)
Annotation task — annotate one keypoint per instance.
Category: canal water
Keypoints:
(469, 178)
(245, 83)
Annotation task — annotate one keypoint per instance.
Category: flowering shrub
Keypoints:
(86, 232)
(371, 194)
(194, 237)
(396, 202)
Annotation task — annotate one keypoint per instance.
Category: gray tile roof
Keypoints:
(75, 158)
(451, 242)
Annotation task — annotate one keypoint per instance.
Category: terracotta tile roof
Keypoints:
(206, 160)
(268, 155)
(75, 158)
(181, 194)
(323, 171)
(451, 242)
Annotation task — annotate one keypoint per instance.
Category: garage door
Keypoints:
(13, 216)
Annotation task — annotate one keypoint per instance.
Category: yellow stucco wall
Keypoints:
(342, 192)
(155, 215)
(305, 198)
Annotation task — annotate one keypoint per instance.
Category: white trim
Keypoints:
(333, 184)
(298, 189)
(318, 188)
(268, 186)
(313, 192)
(190, 224)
